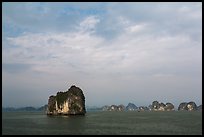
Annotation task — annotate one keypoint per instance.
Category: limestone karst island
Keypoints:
(71, 102)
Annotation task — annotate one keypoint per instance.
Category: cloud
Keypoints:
(52, 50)
(129, 52)
(46, 17)
(89, 23)
(171, 18)
(108, 53)
(136, 28)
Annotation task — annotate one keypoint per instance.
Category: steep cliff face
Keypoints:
(71, 102)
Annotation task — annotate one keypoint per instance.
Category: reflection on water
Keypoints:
(64, 122)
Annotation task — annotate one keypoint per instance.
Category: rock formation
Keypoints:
(169, 107)
(143, 108)
(161, 107)
(106, 108)
(113, 108)
(156, 106)
(71, 102)
(121, 107)
(199, 108)
(190, 106)
(183, 106)
(131, 107)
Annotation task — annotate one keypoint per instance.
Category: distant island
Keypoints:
(72, 102)
(130, 107)
(155, 106)
(28, 108)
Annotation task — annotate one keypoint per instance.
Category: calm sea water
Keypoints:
(101, 122)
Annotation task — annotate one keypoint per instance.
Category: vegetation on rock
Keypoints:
(68, 102)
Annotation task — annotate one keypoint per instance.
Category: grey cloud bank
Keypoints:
(136, 53)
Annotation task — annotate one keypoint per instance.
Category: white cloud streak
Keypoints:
(89, 24)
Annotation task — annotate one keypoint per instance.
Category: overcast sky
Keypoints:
(115, 52)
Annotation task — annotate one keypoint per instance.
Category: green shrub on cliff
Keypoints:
(61, 97)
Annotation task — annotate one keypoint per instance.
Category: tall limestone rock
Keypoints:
(71, 102)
